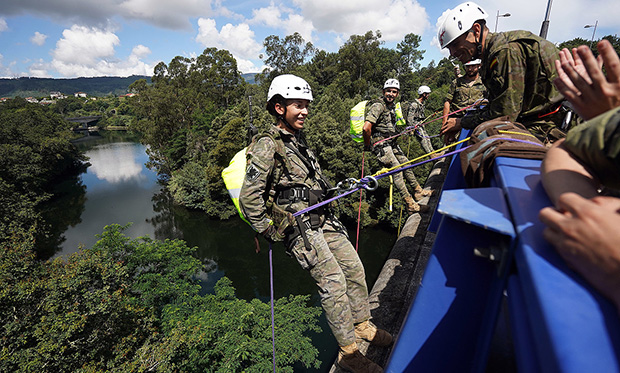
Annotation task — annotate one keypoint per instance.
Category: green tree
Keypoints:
(35, 152)
(358, 57)
(409, 54)
(134, 305)
(175, 112)
(286, 55)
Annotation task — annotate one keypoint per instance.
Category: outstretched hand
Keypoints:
(582, 82)
(585, 233)
(450, 130)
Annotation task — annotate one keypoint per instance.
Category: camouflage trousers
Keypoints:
(424, 139)
(390, 155)
(339, 273)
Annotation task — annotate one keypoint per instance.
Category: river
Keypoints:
(118, 188)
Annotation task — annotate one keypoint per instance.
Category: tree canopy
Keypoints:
(192, 133)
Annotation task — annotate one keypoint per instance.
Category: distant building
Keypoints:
(129, 95)
(80, 94)
(46, 101)
(32, 100)
(57, 95)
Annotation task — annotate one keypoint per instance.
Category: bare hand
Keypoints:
(585, 233)
(582, 82)
(450, 129)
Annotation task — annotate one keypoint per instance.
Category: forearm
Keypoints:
(367, 132)
(446, 111)
(561, 172)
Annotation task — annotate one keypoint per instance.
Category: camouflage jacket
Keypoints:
(264, 159)
(416, 113)
(517, 70)
(382, 117)
(463, 93)
(596, 144)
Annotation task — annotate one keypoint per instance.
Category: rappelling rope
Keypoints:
(364, 182)
(413, 128)
(273, 327)
(359, 210)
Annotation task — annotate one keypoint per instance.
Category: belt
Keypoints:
(293, 194)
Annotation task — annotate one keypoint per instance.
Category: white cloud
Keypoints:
(165, 13)
(238, 40)
(3, 25)
(87, 51)
(39, 69)
(394, 18)
(269, 16)
(162, 13)
(38, 38)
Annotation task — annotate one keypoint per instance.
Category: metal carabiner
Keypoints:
(372, 183)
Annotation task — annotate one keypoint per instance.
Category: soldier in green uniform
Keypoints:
(379, 125)
(517, 70)
(416, 114)
(464, 91)
(283, 176)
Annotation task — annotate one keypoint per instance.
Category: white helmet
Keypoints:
(290, 87)
(458, 21)
(391, 83)
(474, 62)
(423, 89)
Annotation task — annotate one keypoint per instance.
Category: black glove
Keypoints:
(367, 148)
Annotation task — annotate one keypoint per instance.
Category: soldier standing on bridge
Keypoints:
(517, 70)
(416, 115)
(379, 130)
(283, 177)
(464, 91)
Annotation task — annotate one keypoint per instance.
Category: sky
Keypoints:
(86, 38)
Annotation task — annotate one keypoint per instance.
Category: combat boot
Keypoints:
(351, 359)
(369, 332)
(413, 207)
(421, 193)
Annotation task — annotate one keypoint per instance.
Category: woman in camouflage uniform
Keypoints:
(283, 176)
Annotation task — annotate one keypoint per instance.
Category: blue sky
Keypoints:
(74, 38)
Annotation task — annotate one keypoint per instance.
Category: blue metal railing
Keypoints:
(489, 245)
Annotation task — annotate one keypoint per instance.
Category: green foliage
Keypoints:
(192, 134)
(186, 95)
(286, 55)
(35, 153)
(134, 305)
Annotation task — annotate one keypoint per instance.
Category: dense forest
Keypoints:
(135, 304)
(195, 114)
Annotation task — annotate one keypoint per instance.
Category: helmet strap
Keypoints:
(478, 43)
(282, 117)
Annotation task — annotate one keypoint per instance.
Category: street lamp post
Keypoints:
(593, 32)
(497, 18)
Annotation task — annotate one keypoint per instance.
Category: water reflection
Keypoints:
(116, 163)
(119, 190)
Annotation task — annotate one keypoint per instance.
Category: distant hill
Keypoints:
(41, 87)
(97, 87)
(249, 77)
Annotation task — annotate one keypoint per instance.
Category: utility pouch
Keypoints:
(304, 253)
(316, 196)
